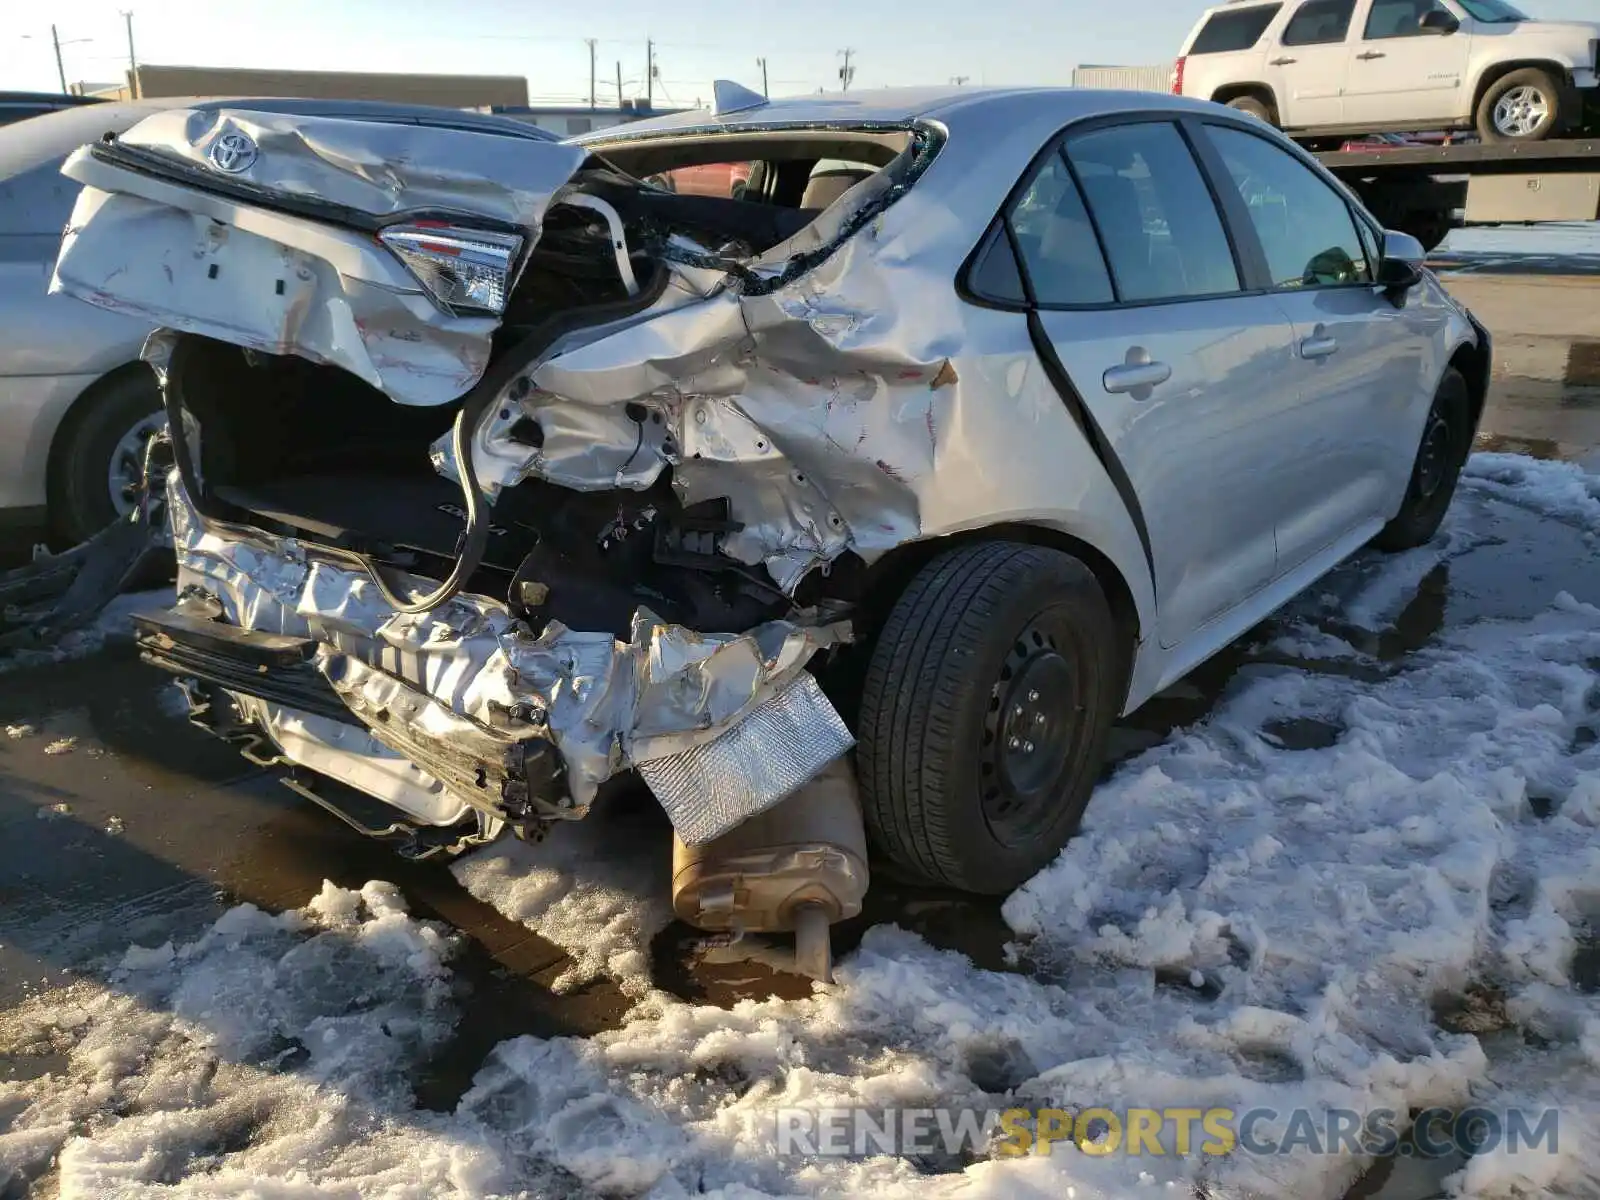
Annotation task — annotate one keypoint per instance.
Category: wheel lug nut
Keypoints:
(1033, 696)
(1027, 747)
(1015, 742)
(1017, 711)
(1038, 718)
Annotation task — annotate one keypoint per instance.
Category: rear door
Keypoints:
(1401, 73)
(1179, 372)
(1358, 359)
(1308, 66)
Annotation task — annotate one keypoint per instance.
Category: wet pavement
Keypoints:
(120, 823)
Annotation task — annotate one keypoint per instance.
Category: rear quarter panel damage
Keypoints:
(861, 405)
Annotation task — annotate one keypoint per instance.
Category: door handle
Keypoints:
(1131, 377)
(1282, 62)
(1318, 346)
(1371, 54)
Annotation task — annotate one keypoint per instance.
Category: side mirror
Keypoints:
(1436, 20)
(1400, 269)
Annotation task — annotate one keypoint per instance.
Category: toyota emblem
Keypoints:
(232, 153)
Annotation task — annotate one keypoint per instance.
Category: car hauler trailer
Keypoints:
(1428, 190)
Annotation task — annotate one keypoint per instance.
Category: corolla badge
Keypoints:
(232, 153)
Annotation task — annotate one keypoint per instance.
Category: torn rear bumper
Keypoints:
(467, 710)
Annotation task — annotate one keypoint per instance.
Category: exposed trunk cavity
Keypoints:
(648, 482)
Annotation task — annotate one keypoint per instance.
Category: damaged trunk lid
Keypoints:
(503, 472)
(386, 250)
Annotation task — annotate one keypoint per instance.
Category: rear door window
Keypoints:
(1234, 30)
(1319, 22)
(1057, 241)
(1154, 214)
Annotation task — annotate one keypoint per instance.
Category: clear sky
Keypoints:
(895, 41)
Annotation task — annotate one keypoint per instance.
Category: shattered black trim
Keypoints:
(927, 141)
(272, 667)
(628, 135)
(1095, 436)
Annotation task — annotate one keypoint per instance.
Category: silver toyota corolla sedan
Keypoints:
(846, 512)
(76, 404)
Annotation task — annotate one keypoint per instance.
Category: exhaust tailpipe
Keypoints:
(798, 867)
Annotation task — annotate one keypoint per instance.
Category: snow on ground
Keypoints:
(1563, 491)
(114, 622)
(599, 889)
(1556, 239)
(1396, 919)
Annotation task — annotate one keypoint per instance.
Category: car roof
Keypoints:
(953, 106)
(1239, 6)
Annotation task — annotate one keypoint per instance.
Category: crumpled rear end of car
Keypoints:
(505, 474)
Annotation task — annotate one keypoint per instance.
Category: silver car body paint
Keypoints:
(860, 404)
(207, 263)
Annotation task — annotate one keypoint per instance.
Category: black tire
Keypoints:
(1446, 440)
(1256, 107)
(80, 495)
(1538, 82)
(979, 630)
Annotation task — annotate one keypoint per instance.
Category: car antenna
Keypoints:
(730, 97)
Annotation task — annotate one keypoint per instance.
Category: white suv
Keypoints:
(1341, 66)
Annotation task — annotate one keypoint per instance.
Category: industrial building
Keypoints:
(446, 91)
(1124, 79)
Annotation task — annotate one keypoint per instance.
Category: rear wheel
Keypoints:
(985, 714)
(1524, 106)
(1256, 107)
(1446, 439)
(98, 459)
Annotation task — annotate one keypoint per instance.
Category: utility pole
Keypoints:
(649, 75)
(591, 42)
(762, 63)
(959, 80)
(55, 40)
(846, 72)
(619, 85)
(133, 63)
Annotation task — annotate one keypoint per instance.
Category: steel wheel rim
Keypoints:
(1030, 733)
(125, 473)
(1520, 111)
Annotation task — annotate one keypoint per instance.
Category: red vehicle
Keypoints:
(724, 180)
(1378, 143)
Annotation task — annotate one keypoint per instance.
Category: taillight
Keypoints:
(466, 271)
(1177, 75)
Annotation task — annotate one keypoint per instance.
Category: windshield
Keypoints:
(1492, 12)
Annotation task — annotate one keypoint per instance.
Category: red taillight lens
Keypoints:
(1177, 76)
